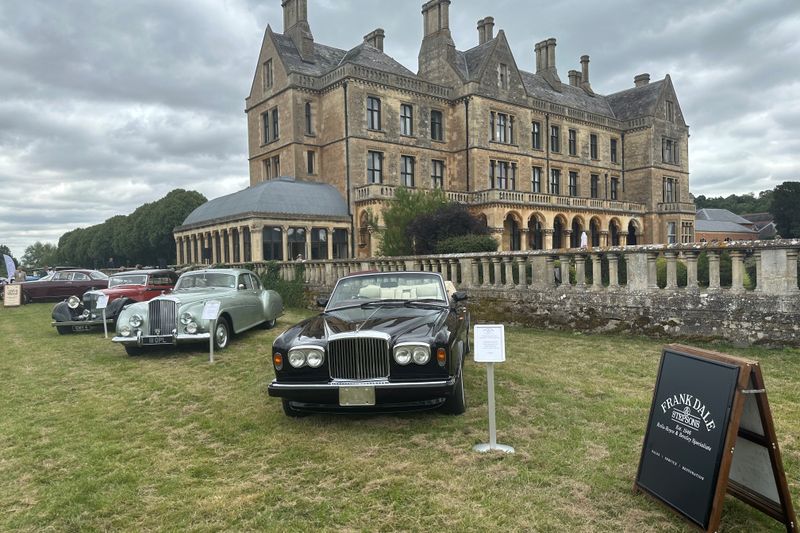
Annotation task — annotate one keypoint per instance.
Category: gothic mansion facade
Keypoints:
(539, 159)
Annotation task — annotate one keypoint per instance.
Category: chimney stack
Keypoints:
(641, 80)
(574, 78)
(295, 26)
(481, 31)
(488, 28)
(375, 38)
(541, 60)
(436, 17)
(546, 62)
(585, 85)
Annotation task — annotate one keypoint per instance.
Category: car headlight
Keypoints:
(297, 358)
(186, 318)
(191, 328)
(125, 331)
(422, 355)
(73, 302)
(135, 321)
(86, 314)
(315, 358)
(402, 355)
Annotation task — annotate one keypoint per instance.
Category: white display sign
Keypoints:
(211, 310)
(102, 301)
(12, 295)
(490, 343)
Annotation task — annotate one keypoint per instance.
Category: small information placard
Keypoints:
(12, 295)
(211, 310)
(490, 343)
(102, 301)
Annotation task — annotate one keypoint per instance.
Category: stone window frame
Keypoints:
(311, 160)
(374, 173)
(501, 127)
(268, 74)
(670, 151)
(614, 188)
(407, 120)
(408, 164)
(502, 175)
(273, 244)
(437, 180)
(594, 181)
(572, 141)
(266, 127)
(573, 176)
(276, 129)
(672, 232)
(687, 232)
(554, 182)
(266, 169)
(536, 179)
(319, 245)
(594, 150)
(374, 113)
(536, 135)
(555, 138)
(440, 124)
(309, 118)
(502, 76)
(669, 111)
(670, 191)
(276, 166)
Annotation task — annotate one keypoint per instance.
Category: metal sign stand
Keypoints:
(210, 313)
(211, 342)
(102, 303)
(105, 325)
(490, 349)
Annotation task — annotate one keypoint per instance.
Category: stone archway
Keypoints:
(632, 233)
(577, 229)
(613, 232)
(512, 234)
(558, 232)
(535, 233)
(594, 232)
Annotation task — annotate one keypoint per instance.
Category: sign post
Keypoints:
(490, 348)
(210, 313)
(102, 303)
(710, 431)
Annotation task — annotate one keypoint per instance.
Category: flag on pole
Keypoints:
(10, 267)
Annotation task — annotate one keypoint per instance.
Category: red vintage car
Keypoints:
(63, 284)
(81, 314)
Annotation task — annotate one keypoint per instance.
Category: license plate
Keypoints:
(157, 340)
(355, 396)
(81, 328)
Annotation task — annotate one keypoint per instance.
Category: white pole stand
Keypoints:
(213, 330)
(105, 324)
(492, 423)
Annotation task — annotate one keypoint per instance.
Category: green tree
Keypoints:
(784, 209)
(739, 204)
(40, 255)
(5, 250)
(404, 207)
(450, 220)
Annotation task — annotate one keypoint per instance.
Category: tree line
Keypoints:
(144, 237)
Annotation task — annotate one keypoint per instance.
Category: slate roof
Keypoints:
(716, 226)
(721, 215)
(281, 196)
(569, 96)
(636, 102)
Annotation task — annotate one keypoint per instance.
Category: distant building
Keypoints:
(764, 224)
(540, 160)
(723, 225)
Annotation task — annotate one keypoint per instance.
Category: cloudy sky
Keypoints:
(107, 104)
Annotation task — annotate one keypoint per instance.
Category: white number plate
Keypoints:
(355, 396)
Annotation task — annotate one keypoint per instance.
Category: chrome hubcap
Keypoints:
(222, 336)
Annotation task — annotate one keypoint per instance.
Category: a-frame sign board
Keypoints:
(710, 431)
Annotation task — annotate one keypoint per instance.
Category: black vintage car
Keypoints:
(386, 342)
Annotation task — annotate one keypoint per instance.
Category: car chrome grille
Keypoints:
(163, 317)
(90, 301)
(359, 358)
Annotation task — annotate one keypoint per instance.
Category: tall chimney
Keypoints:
(546, 63)
(375, 38)
(585, 75)
(488, 28)
(295, 26)
(541, 56)
(436, 16)
(481, 31)
(437, 50)
(551, 54)
(574, 78)
(641, 80)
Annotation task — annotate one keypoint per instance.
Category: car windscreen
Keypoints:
(387, 286)
(206, 280)
(130, 279)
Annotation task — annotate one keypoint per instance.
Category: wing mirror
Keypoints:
(322, 301)
(459, 296)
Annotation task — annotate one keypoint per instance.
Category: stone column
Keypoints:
(498, 276)
(652, 271)
(257, 242)
(564, 260)
(522, 272)
(454, 263)
(330, 243)
(525, 235)
(566, 241)
(672, 270)
(604, 241)
(542, 272)
(214, 246)
(547, 239)
(509, 268)
(230, 243)
(637, 267)
(241, 244)
(691, 270)
(580, 271)
(713, 270)
(471, 266)
(759, 282)
(307, 253)
(791, 271)
(486, 275)
(178, 250)
(285, 243)
(778, 271)
(597, 272)
(623, 238)
(613, 271)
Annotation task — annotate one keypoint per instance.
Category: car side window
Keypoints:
(244, 279)
(62, 276)
(80, 276)
(256, 282)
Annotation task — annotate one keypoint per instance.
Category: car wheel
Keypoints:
(221, 334)
(64, 330)
(456, 404)
(269, 324)
(290, 411)
(134, 350)
(25, 298)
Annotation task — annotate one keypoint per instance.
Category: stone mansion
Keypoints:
(540, 159)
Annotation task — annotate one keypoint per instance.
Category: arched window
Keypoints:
(535, 234)
(631, 234)
(558, 234)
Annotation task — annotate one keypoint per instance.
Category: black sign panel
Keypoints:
(686, 431)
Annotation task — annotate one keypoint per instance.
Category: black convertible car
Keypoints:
(386, 342)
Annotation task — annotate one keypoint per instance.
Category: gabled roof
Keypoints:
(281, 196)
(716, 226)
(470, 63)
(721, 215)
(369, 56)
(570, 96)
(636, 102)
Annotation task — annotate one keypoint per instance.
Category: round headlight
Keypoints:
(422, 355)
(297, 358)
(314, 358)
(125, 331)
(135, 321)
(73, 302)
(191, 328)
(402, 355)
(186, 318)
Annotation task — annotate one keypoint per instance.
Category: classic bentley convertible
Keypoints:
(178, 318)
(81, 314)
(385, 342)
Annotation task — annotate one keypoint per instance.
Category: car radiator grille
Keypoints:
(163, 317)
(359, 358)
(90, 301)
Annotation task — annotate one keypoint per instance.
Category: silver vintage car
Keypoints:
(178, 318)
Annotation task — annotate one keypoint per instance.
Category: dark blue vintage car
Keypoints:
(386, 342)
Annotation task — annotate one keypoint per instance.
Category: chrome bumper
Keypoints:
(337, 384)
(176, 339)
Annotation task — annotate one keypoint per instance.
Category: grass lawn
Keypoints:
(91, 439)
